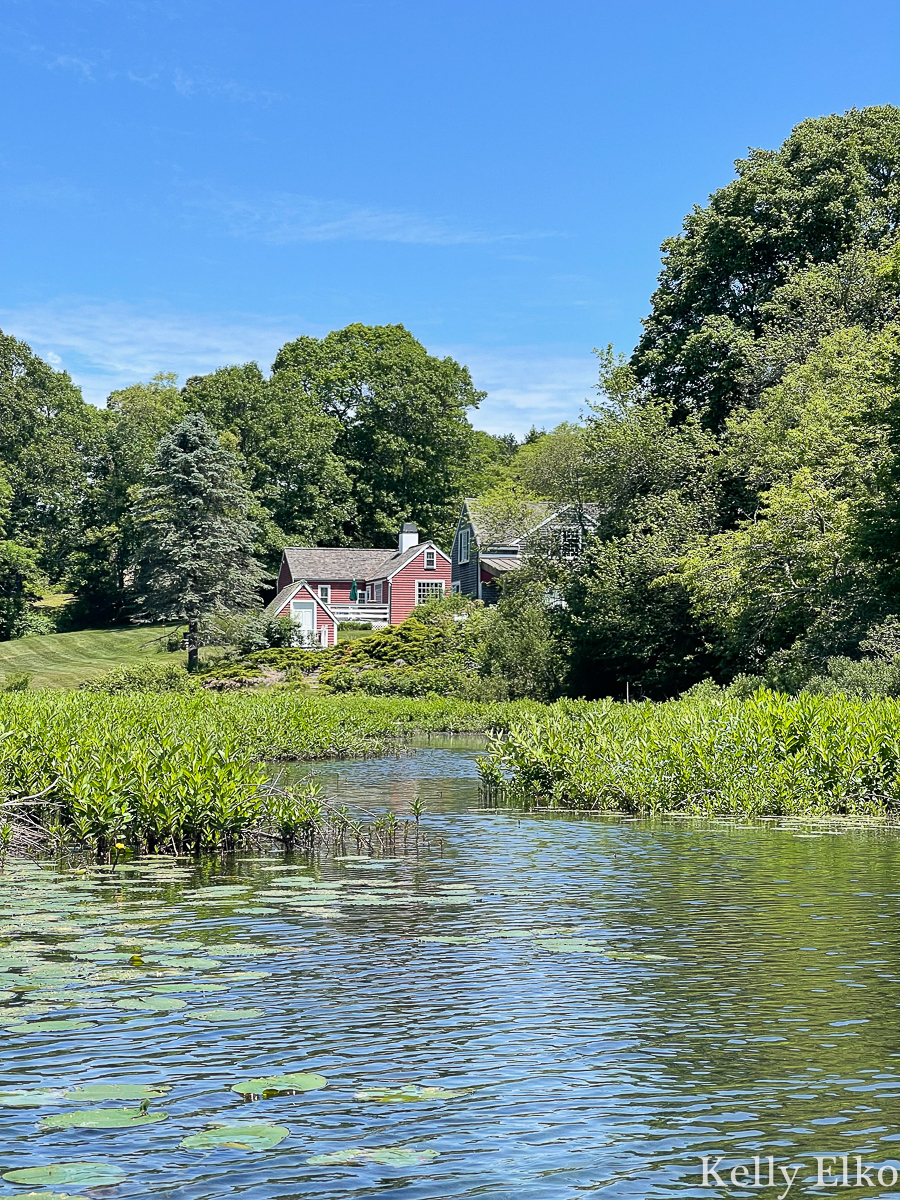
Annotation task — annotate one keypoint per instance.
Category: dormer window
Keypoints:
(569, 542)
(430, 560)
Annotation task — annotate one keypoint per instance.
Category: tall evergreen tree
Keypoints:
(196, 548)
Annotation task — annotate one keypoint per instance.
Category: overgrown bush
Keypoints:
(15, 681)
(149, 676)
(248, 632)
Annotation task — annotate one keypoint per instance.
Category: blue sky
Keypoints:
(189, 183)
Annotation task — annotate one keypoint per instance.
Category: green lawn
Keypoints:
(63, 660)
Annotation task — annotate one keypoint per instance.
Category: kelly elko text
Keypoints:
(831, 1170)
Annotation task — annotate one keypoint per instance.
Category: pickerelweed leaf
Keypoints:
(403, 1092)
(32, 1097)
(77, 1174)
(388, 1156)
(119, 1091)
(279, 1085)
(239, 1135)
(151, 1004)
(101, 1118)
(227, 1014)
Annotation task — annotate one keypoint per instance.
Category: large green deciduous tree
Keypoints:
(405, 439)
(196, 541)
(833, 187)
(288, 443)
(48, 435)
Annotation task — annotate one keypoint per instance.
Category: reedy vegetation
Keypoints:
(163, 771)
(718, 755)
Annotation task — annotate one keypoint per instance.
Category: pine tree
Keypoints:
(196, 538)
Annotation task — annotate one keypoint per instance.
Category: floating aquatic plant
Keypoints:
(32, 1097)
(404, 1092)
(280, 1085)
(388, 1156)
(118, 1091)
(102, 1118)
(74, 1174)
(239, 1135)
(227, 1014)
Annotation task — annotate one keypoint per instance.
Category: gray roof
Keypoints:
(491, 532)
(337, 563)
(534, 513)
(311, 562)
(501, 563)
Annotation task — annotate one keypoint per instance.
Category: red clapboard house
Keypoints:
(320, 586)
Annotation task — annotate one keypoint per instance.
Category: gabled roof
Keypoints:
(399, 561)
(289, 592)
(362, 565)
(492, 532)
(312, 562)
(489, 532)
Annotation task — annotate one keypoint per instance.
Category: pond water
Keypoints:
(605, 1002)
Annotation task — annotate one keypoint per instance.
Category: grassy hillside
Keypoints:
(63, 660)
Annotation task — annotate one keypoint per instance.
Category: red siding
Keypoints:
(284, 574)
(403, 584)
(323, 620)
(340, 588)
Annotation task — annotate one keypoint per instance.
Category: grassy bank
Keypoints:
(768, 755)
(64, 660)
(182, 771)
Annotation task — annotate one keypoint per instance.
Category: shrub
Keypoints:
(151, 676)
(15, 681)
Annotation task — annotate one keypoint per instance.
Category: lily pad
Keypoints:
(79, 1174)
(188, 987)
(403, 1092)
(119, 1091)
(572, 945)
(240, 1135)
(227, 1014)
(51, 1026)
(47, 1196)
(101, 1118)
(151, 1004)
(388, 1156)
(454, 941)
(32, 1097)
(280, 1085)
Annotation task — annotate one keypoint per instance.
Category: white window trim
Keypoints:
(435, 587)
(379, 591)
(464, 541)
(455, 587)
(431, 560)
(325, 593)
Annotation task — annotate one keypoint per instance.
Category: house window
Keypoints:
(463, 544)
(325, 593)
(456, 587)
(378, 590)
(430, 560)
(428, 589)
(569, 542)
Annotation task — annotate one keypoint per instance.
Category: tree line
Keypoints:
(350, 435)
(737, 478)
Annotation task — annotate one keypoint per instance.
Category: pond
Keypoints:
(599, 1002)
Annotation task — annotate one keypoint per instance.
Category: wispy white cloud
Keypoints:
(283, 218)
(527, 385)
(105, 346)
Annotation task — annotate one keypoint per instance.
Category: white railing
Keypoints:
(378, 614)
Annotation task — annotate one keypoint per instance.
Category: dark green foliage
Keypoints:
(15, 681)
(143, 677)
(196, 543)
(405, 440)
(833, 187)
(21, 583)
(288, 443)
